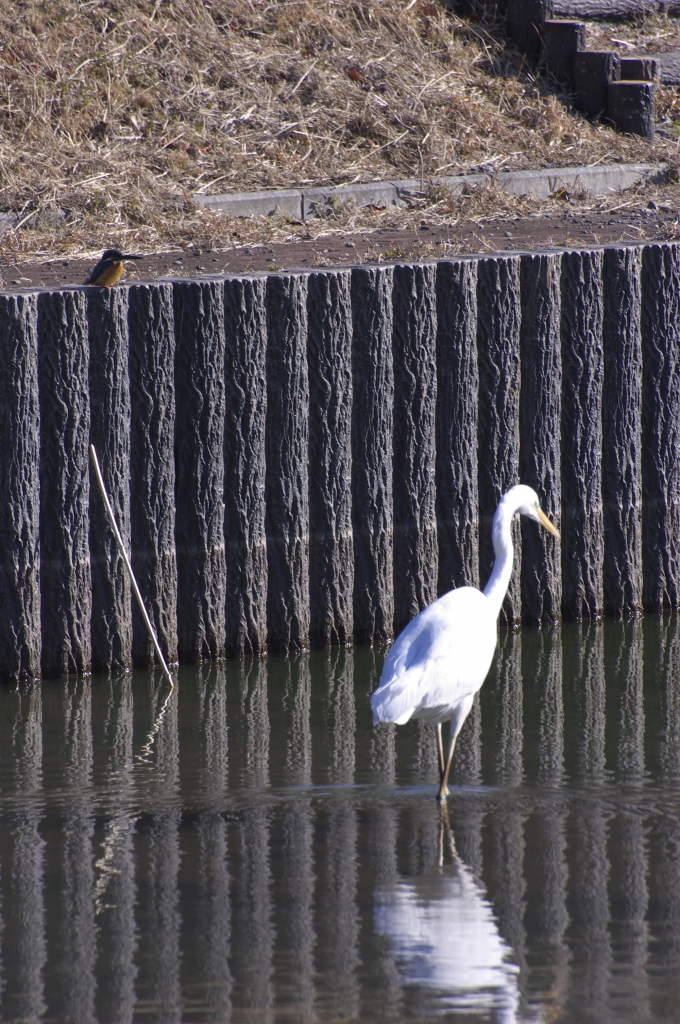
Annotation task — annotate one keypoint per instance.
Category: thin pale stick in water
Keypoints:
(121, 548)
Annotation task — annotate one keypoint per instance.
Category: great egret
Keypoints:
(439, 662)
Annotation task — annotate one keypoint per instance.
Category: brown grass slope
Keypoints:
(114, 112)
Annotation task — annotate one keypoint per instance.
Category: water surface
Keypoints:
(249, 848)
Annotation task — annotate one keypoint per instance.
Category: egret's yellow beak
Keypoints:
(548, 525)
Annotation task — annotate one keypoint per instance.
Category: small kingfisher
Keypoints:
(110, 269)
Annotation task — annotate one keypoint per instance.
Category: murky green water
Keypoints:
(252, 850)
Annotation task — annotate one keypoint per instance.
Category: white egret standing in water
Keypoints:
(439, 662)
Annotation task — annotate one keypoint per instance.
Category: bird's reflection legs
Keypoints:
(440, 748)
(444, 789)
(447, 844)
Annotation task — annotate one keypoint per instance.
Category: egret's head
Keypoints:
(527, 504)
(525, 501)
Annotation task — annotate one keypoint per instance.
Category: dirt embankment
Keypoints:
(113, 114)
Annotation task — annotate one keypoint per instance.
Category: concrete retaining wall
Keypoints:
(310, 458)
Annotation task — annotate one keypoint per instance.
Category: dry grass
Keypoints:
(649, 33)
(114, 112)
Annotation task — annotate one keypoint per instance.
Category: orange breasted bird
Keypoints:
(110, 269)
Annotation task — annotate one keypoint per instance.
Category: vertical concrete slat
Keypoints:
(107, 314)
(622, 432)
(498, 351)
(331, 545)
(66, 590)
(151, 324)
(661, 426)
(20, 641)
(414, 356)
(287, 449)
(540, 412)
(199, 455)
(457, 414)
(582, 375)
(372, 433)
(245, 465)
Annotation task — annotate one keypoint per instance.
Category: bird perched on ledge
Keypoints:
(441, 659)
(110, 269)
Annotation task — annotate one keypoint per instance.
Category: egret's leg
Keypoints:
(440, 747)
(459, 715)
(444, 789)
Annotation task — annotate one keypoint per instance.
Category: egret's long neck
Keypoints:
(499, 580)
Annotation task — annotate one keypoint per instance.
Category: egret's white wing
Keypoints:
(440, 658)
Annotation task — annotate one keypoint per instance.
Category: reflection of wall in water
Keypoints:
(23, 862)
(261, 894)
(115, 889)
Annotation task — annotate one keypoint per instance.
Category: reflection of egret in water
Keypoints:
(445, 939)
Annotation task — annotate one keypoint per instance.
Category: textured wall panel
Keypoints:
(20, 642)
(107, 311)
(199, 455)
(151, 323)
(622, 432)
(661, 426)
(498, 350)
(414, 354)
(287, 447)
(457, 407)
(244, 464)
(372, 427)
(582, 372)
(540, 419)
(331, 547)
(66, 592)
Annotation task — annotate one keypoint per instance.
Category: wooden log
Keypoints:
(331, 546)
(20, 640)
(414, 304)
(107, 315)
(457, 413)
(523, 19)
(582, 373)
(372, 432)
(630, 107)
(540, 420)
(199, 454)
(245, 465)
(287, 446)
(498, 350)
(622, 433)
(562, 41)
(65, 583)
(661, 426)
(151, 323)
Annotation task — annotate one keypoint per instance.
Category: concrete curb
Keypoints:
(305, 203)
(301, 204)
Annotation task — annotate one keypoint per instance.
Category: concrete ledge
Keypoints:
(315, 202)
(255, 204)
(301, 204)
